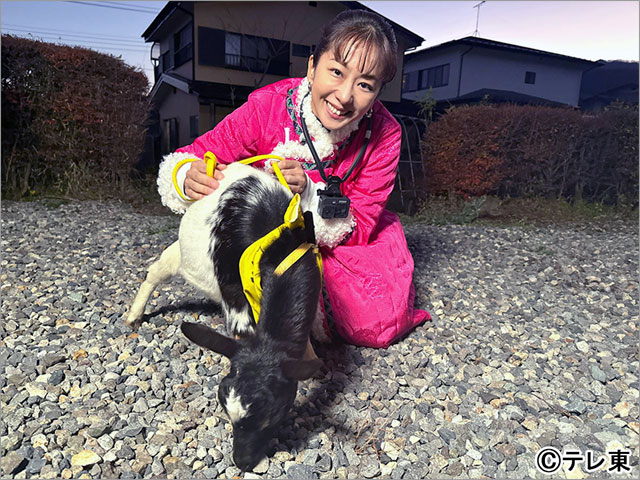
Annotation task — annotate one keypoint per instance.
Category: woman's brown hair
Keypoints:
(353, 28)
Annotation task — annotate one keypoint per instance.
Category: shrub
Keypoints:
(72, 120)
(518, 151)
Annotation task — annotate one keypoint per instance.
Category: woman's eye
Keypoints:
(336, 71)
(366, 86)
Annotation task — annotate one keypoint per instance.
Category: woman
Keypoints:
(367, 266)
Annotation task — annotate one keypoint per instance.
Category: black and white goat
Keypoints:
(267, 360)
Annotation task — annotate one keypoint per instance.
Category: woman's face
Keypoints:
(342, 93)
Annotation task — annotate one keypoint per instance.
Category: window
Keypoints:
(410, 81)
(530, 77)
(243, 52)
(434, 77)
(193, 127)
(169, 135)
(256, 54)
(298, 50)
(182, 46)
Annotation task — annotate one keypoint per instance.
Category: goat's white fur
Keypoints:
(235, 408)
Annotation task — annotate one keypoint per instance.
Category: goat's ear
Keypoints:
(208, 338)
(300, 369)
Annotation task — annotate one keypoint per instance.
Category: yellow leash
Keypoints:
(250, 260)
(212, 162)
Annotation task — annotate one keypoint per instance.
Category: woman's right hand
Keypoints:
(198, 184)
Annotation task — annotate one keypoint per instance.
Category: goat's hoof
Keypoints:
(133, 322)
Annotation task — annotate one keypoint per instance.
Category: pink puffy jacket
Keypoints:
(368, 276)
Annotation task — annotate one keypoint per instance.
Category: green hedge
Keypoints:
(519, 151)
(72, 120)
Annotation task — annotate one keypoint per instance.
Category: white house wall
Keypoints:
(180, 105)
(555, 80)
(414, 63)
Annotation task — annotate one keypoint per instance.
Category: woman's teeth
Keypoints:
(334, 110)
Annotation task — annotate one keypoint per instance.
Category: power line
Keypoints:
(85, 44)
(15, 26)
(150, 9)
(81, 37)
(139, 10)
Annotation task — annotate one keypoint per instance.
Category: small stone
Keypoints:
(598, 374)
(476, 455)
(105, 442)
(132, 430)
(16, 379)
(126, 453)
(301, 471)
(98, 429)
(370, 469)
(56, 378)
(35, 465)
(582, 346)
(35, 390)
(13, 462)
(77, 297)
(447, 435)
(574, 473)
(140, 406)
(262, 466)
(51, 360)
(386, 469)
(506, 449)
(84, 458)
(39, 440)
(530, 424)
(622, 408)
(576, 405)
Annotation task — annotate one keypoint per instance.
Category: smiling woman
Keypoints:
(330, 157)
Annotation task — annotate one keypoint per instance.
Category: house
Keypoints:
(609, 82)
(209, 56)
(471, 69)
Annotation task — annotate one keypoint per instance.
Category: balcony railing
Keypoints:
(253, 64)
(183, 55)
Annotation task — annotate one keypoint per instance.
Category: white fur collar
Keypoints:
(325, 141)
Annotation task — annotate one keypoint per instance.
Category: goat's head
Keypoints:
(259, 390)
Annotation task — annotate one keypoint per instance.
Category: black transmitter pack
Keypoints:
(331, 202)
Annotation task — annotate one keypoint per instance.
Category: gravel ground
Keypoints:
(533, 344)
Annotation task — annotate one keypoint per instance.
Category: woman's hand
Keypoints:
(198, 184)
(293, 173)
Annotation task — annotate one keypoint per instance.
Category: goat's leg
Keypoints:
(159, 272)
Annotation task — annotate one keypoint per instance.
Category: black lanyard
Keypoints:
(333, 179)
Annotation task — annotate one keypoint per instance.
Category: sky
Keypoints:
(591, 30)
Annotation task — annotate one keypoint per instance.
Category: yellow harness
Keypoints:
(250, 260)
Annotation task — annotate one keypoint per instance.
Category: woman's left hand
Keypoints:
(293, 173)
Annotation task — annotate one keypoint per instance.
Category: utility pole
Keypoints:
(475, 34)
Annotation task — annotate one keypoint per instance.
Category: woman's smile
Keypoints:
(335, 112)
